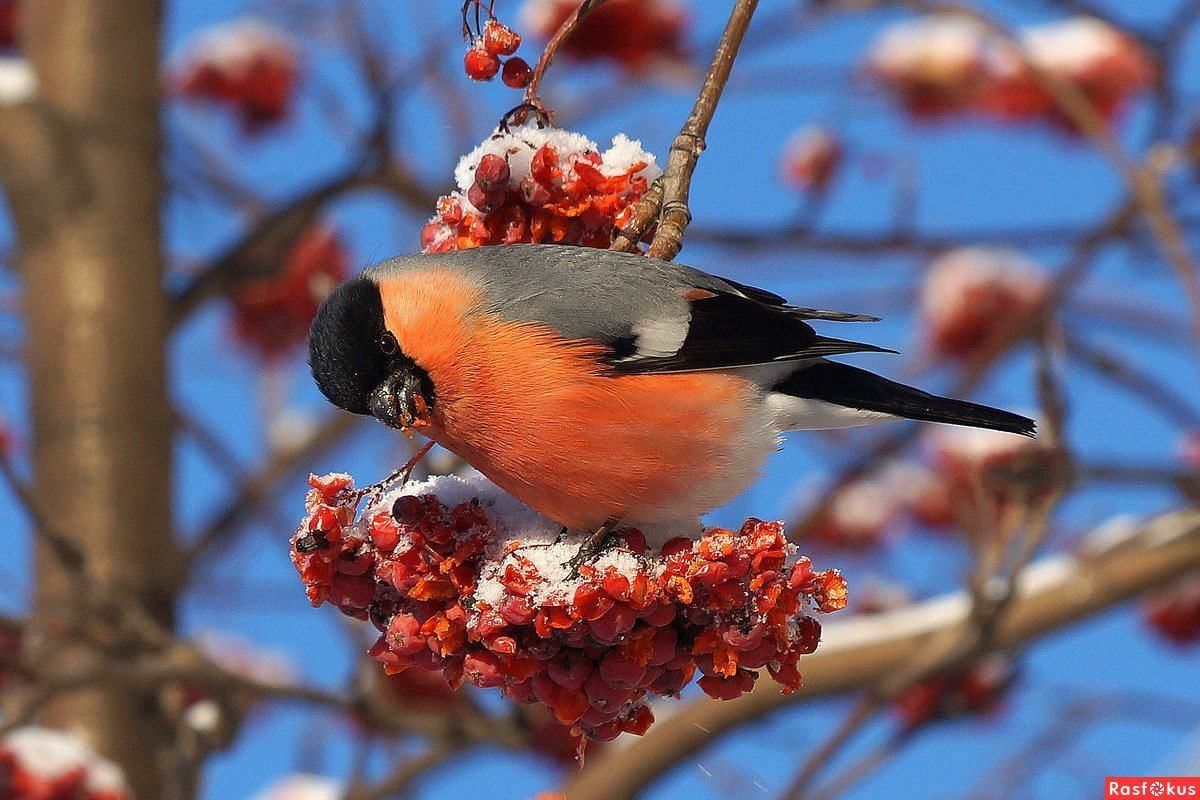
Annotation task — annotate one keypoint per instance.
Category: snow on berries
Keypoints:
(638, 35)
(247, 65)
(934, 65)
(976, 301)
(44, 764)
(939, 66)
(1105, 64)
(811, 159)
(1175, 614)
(272, 314)
(528, 183)
(462, 580)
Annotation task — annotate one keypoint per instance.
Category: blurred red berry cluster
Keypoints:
(858, 515)
(636, 34)
(811, 159)
(954, 65)
(1175, 614)
(966, 473)
(483, 59)
(975, 302)
(980, 470)
(247, 65)
(463, 580)
(45, 764)
(974, 691)
(536, 184)
(10, 25)
(272, 314)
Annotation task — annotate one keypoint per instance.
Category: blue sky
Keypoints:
(970, 177)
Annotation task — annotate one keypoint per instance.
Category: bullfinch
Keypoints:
(594, 385)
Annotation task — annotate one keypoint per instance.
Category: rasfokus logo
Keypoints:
(1151, 787)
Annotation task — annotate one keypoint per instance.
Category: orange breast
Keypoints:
(539, 416)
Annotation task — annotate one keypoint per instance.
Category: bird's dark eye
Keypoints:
(388, 344)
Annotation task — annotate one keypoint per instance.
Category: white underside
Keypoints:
(800, 414)
(777, 413)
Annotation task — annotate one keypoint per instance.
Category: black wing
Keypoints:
(650, 315)
(727, 329)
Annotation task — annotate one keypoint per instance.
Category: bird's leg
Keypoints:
(596, 542)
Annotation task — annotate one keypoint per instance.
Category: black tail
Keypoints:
(852, 387)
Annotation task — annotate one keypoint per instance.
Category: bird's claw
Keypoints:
(596, 543)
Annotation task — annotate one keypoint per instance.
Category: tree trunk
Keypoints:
(82, 175)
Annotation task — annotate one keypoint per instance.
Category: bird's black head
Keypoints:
(357, 363)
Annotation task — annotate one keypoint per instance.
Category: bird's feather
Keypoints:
(649, 315)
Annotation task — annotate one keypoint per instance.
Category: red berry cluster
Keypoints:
(942, 66)
(967, 474)
(1176, 613)
(451, 590)
(272, 315)
(811, 159)
(977, 301)
(974, 691)
(636, 34)
(10, 25)
(246, 65)
(483, 61)
(45, 764)
(530, 184)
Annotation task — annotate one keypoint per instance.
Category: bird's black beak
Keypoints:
(402, 400)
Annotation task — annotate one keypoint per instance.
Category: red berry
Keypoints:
(639, 721)
(483, 669)
(485, 201)
(676, 547)
(544, 166)
(571, 670)
(480, 64)
(492, 173)
(516, 73)
(351, 591)
(621, 671)
(500, 39)
(404, 635)
(534, 192)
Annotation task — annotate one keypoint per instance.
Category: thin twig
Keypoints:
(689, 144)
